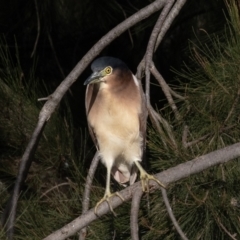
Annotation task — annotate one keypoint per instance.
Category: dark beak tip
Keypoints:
(92, 78)
(87, 81)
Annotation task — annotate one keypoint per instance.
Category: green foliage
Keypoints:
(51, 198)
(206, 205)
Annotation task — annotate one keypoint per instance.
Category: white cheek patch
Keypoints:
(135, 80)
(103, 83)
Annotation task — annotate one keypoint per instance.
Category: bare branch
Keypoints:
(156, 118)
(86, 195)
(166, 23)
(136, 199)
(38, 29)
(176, 95)
(140, 68)
(169, 20)
(151, 45)
(44, 98)
(166, 90)
(125, 15)
(233, 107)
(55, 55)
(171, 215)
(169, 176)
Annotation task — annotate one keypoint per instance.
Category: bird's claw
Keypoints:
(106, 198)
(145, 178)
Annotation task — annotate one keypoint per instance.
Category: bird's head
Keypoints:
(105, 70)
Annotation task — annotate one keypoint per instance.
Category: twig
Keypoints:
(201, 201)
(55, 56)
(184, 135)
(157, 117)
(141, 66)
(233, 107)
(44, 98)
(225, 230)
(169, 176)
(155, 120)
(171, 215)
(38, 29)
(129, 2)
(176, 95)
(189, 144)
(125, 15)
(166, 90)
(52, 188)
(136, 199)
(86, 195)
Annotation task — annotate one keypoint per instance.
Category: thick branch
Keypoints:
(169, 176)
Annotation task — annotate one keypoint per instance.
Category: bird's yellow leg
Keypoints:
(108, 195)
(145, 177)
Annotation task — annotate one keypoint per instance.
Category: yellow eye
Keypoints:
(108, 70)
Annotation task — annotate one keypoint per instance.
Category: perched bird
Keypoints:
(117, 114)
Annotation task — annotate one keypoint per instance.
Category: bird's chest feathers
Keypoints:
(117, 115)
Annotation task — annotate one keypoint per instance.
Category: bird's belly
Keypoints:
(118, 136)
(120, 150)
(116, 125)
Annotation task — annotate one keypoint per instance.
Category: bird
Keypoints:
(117, 117)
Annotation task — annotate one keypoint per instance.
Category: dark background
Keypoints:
(69, 28)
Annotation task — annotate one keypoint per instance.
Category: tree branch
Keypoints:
(136, 199)
(156, 118)
(38, 29)
(169, 20)
(171, 215)
(151, 45)
(55, 55)
(169, 176)
(86, 195)
(166, 90)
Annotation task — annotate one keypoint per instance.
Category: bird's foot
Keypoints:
(145, 178)
(106, 198)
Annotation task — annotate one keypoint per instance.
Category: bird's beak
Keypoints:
(94, 78)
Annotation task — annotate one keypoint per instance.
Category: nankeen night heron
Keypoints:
(117, 114)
